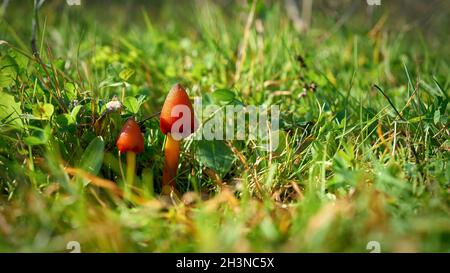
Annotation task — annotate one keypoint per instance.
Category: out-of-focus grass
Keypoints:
(349, 170)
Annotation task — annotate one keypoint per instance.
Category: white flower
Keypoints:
(113, 106)
(73, 2)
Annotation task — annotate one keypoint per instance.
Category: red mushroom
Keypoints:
(177, 121)
(131, 142)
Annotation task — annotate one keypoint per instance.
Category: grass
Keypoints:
(364, 153)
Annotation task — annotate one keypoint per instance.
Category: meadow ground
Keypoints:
(364, 138)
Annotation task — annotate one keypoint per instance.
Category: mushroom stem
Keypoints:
(130, 175)
(171, 156)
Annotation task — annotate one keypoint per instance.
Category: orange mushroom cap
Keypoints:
(177, 96)
(130, 138)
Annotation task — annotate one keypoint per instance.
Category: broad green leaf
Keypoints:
(126, 74)
(66, 123)
(32, 140)
(43, 111)
(7, 71)
(92, 158)
(10, 111)
(222, 96)
(133, 104)
(215, 154)
(39, 136)
(75, 111)
(71, 90)
(49, 109)
(12, 64)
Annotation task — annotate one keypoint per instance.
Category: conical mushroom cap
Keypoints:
(170, 114)
(130, 138)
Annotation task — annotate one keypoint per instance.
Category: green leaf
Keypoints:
(437, 116)
(43, 111)
(10, 110)
(32, 140)
(110, 83)
(222, 96)
(39, 136)
(49, 109)
(92, 158)
(126, 74)
(132, 104)
(282, 136)
(12, 64)
(7, 71)
(71, 90)
(66, 123)
(215, 154)
(75, 111)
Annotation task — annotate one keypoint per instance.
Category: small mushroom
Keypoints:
(131, 142)
(177, 121)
